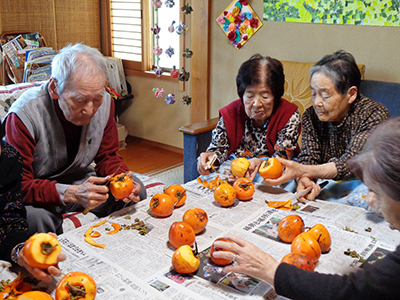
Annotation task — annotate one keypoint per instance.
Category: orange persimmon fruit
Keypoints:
(35, 295)
(305, 244)
(299, 260)
(244, 189)
(181, 233)
(321, 234)
(219, 261)
(225, 195)
(197, 218)
(290, 227)
(271, 169)
(121, 186)
(177, 193)
(76, 285)
(161, 205)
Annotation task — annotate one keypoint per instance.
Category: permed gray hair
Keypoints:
(76, 57)
(378, 165)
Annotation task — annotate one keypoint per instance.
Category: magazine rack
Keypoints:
(11, 72)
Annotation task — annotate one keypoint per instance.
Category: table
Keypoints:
(132, 266)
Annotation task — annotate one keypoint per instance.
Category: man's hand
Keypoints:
(134, 196)
(252, 171)
(90, 194)
(305, 182)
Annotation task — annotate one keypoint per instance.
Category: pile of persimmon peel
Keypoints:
(91, 233)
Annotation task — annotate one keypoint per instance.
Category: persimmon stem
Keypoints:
(76, 292)
(47, 248)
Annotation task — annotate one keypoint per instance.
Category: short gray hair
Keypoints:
(378, 165)
(69, 60)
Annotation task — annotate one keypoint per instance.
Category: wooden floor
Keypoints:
(144, 156)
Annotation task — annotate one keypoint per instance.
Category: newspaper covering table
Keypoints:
(134, 266)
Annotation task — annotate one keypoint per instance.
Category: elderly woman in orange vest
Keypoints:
(260, 124)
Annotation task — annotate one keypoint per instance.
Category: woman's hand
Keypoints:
(202, 160)
(43, 275)
(292, 170)
(252, 171)
(305, 182)
(250, 260)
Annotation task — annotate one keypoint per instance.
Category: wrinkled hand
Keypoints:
(90, 194)
(134, 196)
(252, 171)
(292, 170)
(202, 163)
(43, 275)
(250, 260)
(305, 182)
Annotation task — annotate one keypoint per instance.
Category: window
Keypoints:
(131, 38)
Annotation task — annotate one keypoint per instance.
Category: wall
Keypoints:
(149, 117)
(376, 47)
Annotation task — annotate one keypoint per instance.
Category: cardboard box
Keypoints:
(122, 134)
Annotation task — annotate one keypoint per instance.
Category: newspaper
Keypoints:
(134, 266)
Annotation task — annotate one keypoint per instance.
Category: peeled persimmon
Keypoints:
(41, 250)
(305, 244)
(76, 285)
(181, 233)
(161, 205)
(197, 218)
(35, 295)
(299, 260)
(239, 166)
(321, 234)
(290, 227)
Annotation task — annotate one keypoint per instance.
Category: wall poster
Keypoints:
(361, 12)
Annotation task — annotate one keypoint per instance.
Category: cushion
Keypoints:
(10, 93)
(297, 83)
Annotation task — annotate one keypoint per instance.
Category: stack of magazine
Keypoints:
(28, 59)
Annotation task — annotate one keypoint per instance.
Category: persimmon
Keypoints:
(290, 227)
(321, 234)
(185, 260)
(41, 250)
(225, 195)
(305, 244)
(271, 169)
(161, 205)
(197, 218)
(35, 295)
(76, 285)
(220, 261)
(244, 189)
(239, 166)
(181, 233)
(177, 193)
(299, 260)
(121, 186)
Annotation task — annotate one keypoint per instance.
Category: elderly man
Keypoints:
(62, 127)
(335, 128)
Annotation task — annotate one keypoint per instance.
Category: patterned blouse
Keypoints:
(324, 142)
(13, 226)
(253, 141)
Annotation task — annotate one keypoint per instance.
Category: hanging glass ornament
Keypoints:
(186, 9)
(187, 53)
(157, 4)
(184, 76)
(171, 28)
(170, 99)
(155, 29)
(158, 71)
(186, 100)
(157, 50)
(169, 3)
(170, 51)
(158, 92)
(181, 28)
(174, 73)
